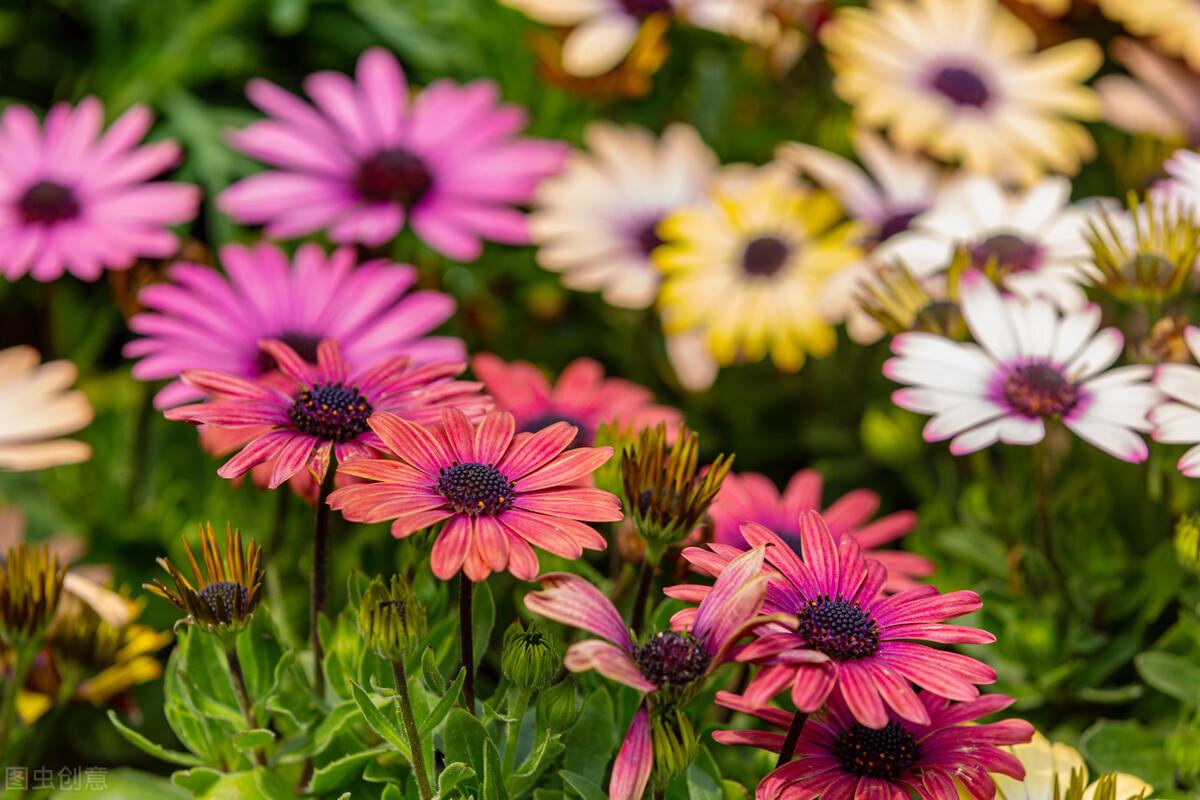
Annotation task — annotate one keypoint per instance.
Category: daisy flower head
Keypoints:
(73, 199)
(1158, 97)
(596, 221)
(845, 638)
(839, 757)
(39, 405)
(747, 271)
(1056, 771)
(1148, 253)
(363, 161)
(1172, 25)
(1177, 419)
(750, 497)
(496, 491)
(1181, 187)
(667, 667)
(324, 411)
(961, 80)
(581, 397)
(1031, 364)
(369, 309)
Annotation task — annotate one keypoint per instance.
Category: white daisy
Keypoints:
(1031, 364)
(1178, 420)
(35, 406)
(1181, 188)
(596, 221)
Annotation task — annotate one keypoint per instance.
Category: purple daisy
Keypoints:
(75, 200)
(362, 162)
(202, 319)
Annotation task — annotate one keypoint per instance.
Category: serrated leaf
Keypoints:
(146, 746)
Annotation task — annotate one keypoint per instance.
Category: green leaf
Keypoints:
(127, 784)
(378, 722)
(583, 786)
(464, 737)
(146, 746)
(1170, 674)
(430, 674)
(701, 785)
(337, 773)
(197, 781)
(483, 619)
(547, 750)
(249, 741)
(454, 774)
(590, 741)
(343, 717)
(1128, 746)
(493, 773)
(439, 712)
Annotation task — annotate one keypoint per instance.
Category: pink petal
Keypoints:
(631, 770)
(609, 660)
(571, 600)
(450, 550)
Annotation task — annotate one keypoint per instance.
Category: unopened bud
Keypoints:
(558, 706)
(674, 742)
(1187, 542)
(390, 618)
(531, 658)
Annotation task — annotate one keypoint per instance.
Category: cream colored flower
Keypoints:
(35, 406)
(1173, 25)
(1046, 762)
(1159, 97)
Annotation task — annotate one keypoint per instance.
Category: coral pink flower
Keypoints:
(362, 162)
(582, 397)
(326, 411)
(669, 666)
(202, 319)
(498, 491)
(849, 639)
(750, 497)
(73, 199)
(840, 759)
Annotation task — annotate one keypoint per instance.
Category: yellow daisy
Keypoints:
(961, 80)
(1174, 25)
(748, 270)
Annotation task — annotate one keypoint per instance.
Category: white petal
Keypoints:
(1101, 352)
(599, 44)
(1075, 329)
(981, 437)
(1022, 430)
(1115, 440)
(1180, 381)
(964, 416)
(987, 317)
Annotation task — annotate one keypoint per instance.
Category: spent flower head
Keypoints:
(31, 580)
(391, 619)
(1147, 253)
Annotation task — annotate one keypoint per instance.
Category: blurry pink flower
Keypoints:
(363, 162)
(74, 200)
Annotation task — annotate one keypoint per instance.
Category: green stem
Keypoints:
(1041, 480)
(274, 580)
(22, 661)
(792, 738)
(319, 587)
(410, 729)
(638, 619)
(517, 712)
(243, 697)
(466, 628)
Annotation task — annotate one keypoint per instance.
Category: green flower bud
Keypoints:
(531, 657)
(31, 580)
(390, 618)
(558, 706)
(1187, 542)
(674, 741)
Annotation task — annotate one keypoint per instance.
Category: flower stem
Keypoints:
(410, 729)
(466, 629)
(645, 580)
(793, 737)
(320, 578)
(1041, 480)
(243, 697)
(22, 661)
(517, 712)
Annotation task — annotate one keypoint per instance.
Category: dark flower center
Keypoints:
(48, 202)
(895, 224)
(475, 489)
(839, 629)
(672, 659)
(583, 436)
(1008, 252)
(877, 752)
(765, 256)
(962, 86)
(304, 345)
(225, 600)
(394, 175)
(644, 8)
(1040, 390)
(647, 238)
(333, 412)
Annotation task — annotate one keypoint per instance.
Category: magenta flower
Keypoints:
(326, 411)
(497, 491)
(362, 162)
(73, 199)
(202, 319)
(849, 639)
(582, 397)
(668, 667)
(750, 497)
(841, 759)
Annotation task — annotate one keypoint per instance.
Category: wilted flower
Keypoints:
(31, 580)
(531, 657)
(1147, 254)
(39, 405)
(391, 619)
(1056, 771)
(1166, 342)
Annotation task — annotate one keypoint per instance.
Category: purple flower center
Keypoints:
(765, 256)
(895, 224)
(333, 412)
(225, 600)
(583, 436)
(839, 629)
(1040, 390)
(646, 238)
(394, 175)
(644, 8)
(1008, 252)
(962, 86)
(877, 752)
(304, 345)
(475, 489)
(48, 202)
(672, 659)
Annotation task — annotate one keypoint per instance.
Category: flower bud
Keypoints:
(390, 618)
(531, 658)
(31, 581)
(558, 706)
(674, 742)
(1187, 542)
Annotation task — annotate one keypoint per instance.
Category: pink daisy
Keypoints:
(750, 497)
(841, 759)
(848, 639)
(582, 397)
(361, 162)
(73, 199)
(325, 412)
(202, 319)
(496, 490)
(668, 667)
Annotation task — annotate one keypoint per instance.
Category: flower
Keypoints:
(1056, 771)
(202, 319)
(73, 200)
(748, 270)
(846, 639)
(969, 86)
(892, 300)
(1157, 98)
(750, 497)
(391, 619)
(38, 406)
(840, 757)
(362, 163)
(1173, 25)
(603, 32)
(497, 491)
(630, 78)
(326, 409)
(1177, 419)
(221, 598)
(596, 221)
(1033, 241)
(531, 656)
(1031, 365)
(1146, 254)
(582, 397)
(668, 667)
(31, 582)
(1181, 189)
